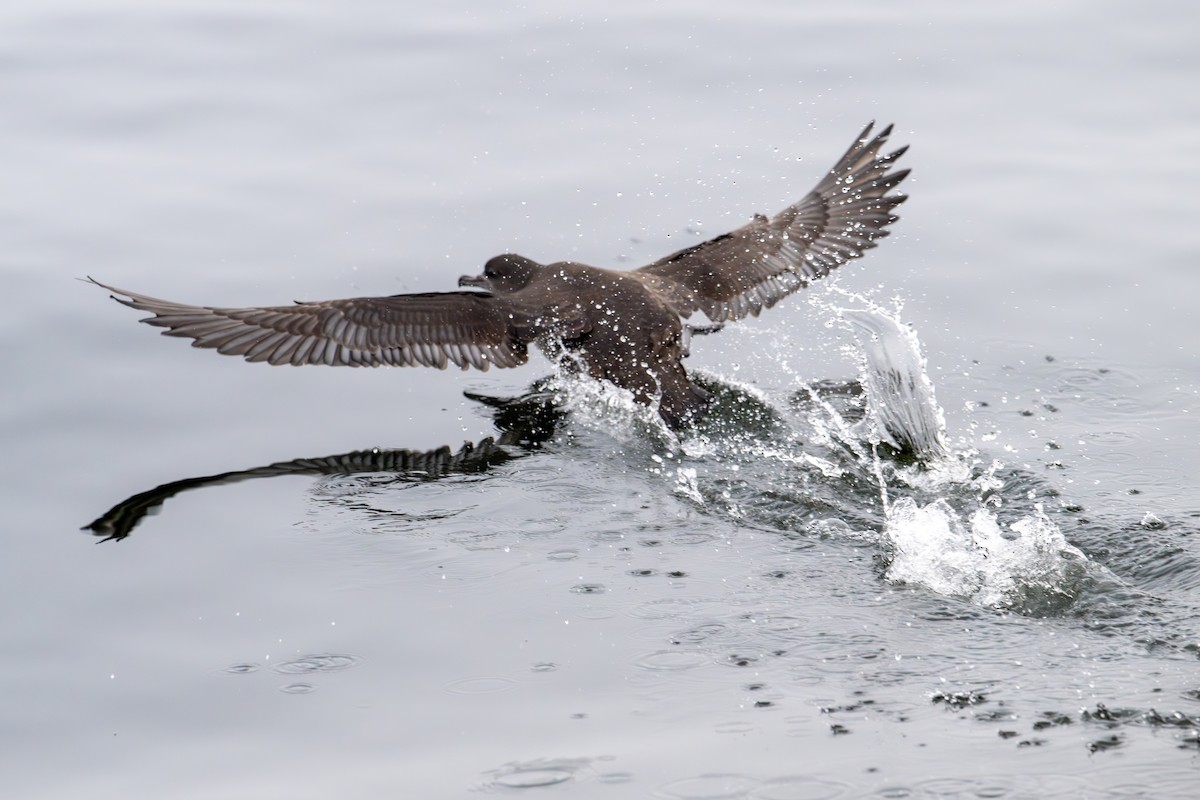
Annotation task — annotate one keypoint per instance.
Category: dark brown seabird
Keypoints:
(625, 327)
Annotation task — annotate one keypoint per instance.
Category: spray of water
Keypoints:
(949, 524)
(942, 524)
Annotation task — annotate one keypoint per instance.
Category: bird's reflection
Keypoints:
(524, 423)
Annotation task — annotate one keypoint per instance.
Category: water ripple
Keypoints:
(800, 788)
(487, 684)
(323, 662)
(709, 787)
(242, 669)
(671, 660)
(298, 688)
(538, 772)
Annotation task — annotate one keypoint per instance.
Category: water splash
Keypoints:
(902, 406)
(1028, 566)
(872, 456)
(604, 408)
(943, 530)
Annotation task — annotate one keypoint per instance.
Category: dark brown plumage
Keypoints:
(621, 327)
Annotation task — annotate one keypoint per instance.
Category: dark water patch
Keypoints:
(1148, 590)
(1105, 743)
(1155, 554)
(1104, 728)
(740, 660)
(998, 715)
(959, 700)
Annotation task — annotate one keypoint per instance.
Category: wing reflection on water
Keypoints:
(524, 423)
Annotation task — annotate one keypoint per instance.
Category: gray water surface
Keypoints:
(601, 612)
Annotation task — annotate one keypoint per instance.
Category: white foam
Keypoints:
(955, 544)
(607, 408)
(975, 558)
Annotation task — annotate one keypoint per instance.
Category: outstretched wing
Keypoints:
(468, 329)
(753, 267)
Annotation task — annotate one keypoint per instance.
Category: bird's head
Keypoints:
(503, 274)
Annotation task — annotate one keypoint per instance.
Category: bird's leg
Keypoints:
(690, 330)
(704, 330)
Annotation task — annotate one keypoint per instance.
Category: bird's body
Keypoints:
(626, 328)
